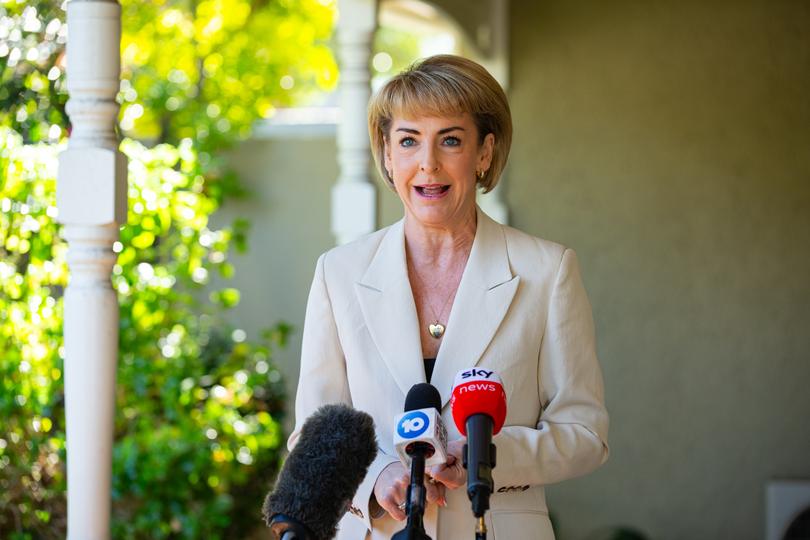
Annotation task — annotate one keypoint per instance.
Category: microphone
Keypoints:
(321, 474)
(420, 439)
(479, 410)
(421, 424)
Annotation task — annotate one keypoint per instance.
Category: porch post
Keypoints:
(92, 201)
(354, 211)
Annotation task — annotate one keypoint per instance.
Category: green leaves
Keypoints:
(231, 62)
(32, 87)
(226, 298)
(199, 403)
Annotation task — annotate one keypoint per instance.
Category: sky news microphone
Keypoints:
(479, 410)
(321, 474)
(420, 439)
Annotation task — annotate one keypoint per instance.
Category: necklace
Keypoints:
(436, 328)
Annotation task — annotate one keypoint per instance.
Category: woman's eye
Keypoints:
(452, 141)
(407, 141)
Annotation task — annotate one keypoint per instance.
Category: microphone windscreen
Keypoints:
(478, 391)
(423, 396)
(322, 473)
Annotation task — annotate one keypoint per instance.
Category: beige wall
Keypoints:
(290, 180)
(669, 144)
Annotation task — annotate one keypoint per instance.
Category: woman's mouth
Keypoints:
(432, 191)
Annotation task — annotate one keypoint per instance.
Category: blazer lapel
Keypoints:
(484, 295)
(386, 301)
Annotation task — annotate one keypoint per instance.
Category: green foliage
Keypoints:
(217, 397)
(231, 61)
(32, 277)
(200, 69)
(198, 405)
(32, 62)
(197, 431)
(205, 70)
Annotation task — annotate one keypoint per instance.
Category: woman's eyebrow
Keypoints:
(441, 131)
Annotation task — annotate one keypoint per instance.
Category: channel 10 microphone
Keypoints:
(321, 475)
(421, 424)
(420, 439)
(479, 410)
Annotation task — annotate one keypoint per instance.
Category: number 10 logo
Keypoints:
(413, 424)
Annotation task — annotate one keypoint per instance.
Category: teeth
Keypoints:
(432, 190)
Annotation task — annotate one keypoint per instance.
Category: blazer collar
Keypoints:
(484, 295)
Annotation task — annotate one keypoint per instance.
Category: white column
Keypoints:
(354, 206)
(92, 200)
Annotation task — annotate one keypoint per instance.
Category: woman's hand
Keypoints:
(391, 490)
(451, 474)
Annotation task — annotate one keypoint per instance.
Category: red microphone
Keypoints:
(479, 410)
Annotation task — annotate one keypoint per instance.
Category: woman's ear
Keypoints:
(387, 159)
(485, 152)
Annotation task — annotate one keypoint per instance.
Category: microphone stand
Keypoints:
(415, 527)
(479, 460)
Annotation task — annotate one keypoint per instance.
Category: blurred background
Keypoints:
(667, 142)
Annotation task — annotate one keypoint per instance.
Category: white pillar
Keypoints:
(92, 200)
(354, 211)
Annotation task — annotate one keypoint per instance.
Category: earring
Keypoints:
(480, 174)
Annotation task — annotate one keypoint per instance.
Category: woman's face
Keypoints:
(433, 161)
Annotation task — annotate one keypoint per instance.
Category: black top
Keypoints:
(429, 363)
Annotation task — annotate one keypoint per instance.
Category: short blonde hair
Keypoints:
(444, 85)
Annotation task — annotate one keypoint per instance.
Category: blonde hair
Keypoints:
(444, 85)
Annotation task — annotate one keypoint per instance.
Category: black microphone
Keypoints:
(479, 411)
(321, 474)
(420, 396)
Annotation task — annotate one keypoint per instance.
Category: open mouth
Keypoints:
(436, 190)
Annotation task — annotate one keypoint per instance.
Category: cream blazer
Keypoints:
(520, 310)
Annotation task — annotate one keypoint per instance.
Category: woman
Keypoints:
(447, 288)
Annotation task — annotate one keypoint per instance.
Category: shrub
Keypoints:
(198, 406)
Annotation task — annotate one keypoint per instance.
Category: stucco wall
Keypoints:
(669, 144)
(289, 179)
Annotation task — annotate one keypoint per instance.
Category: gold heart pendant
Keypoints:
(436, 330)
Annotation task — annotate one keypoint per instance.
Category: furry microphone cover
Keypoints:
(322, 473)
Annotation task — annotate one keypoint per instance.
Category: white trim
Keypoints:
(299, 123)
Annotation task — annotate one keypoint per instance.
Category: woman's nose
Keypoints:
(428, 163)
